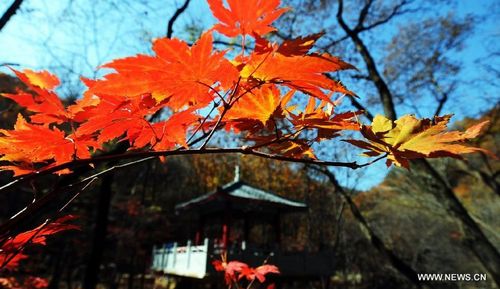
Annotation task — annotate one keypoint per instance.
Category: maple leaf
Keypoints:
(44, 102)
(39, 234)
(10, 249)
(179, 73)
(230, 269)
(295, 69)
(42, 79)
(79, 110)
(116, 116)
(35, 283)
(244, 17)
(13, 263)
(323, 118)
(28, 143)
(41, 100)
(294, 148)
(410, 138)
(298, 46)
(166, 134)
(255, 109)
(260, 272)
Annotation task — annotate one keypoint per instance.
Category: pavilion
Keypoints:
(226, 218)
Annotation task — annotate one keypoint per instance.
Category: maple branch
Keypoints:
(356, 103)
(144, 156)
(200, 126)
(216, 127)
(21, 248)
(151, 154)
(214, 90)
(46, 222)
(227, 105)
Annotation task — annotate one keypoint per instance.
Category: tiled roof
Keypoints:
(241, 190)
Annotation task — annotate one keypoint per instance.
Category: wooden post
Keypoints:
(164, 254)
(154, 266)
(189, 250)
(175, 255)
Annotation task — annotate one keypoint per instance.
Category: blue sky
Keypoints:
(41, 36)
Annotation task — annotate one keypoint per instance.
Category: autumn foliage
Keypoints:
(235, 271)
(278, 97)
(10, 254)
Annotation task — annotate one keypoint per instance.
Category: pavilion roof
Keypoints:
(241, 196)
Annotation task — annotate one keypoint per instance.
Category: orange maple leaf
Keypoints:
(178, 73)
(245, 17)
(42, 79)
(28, 144)
(411, 138)
(322, 118)
(298, 46)
(295, 68)
(41, 99)
(165, 134)
(256, 108)
(260, 272)
(116, 116)
(35, 236)
(44, 102)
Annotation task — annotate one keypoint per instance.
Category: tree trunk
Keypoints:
(486, 252)
(100, 231)
(58, 269)
(400, 265)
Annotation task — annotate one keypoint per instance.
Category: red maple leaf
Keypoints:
(178, 73)
(246, 17)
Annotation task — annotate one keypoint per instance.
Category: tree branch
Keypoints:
(145, 154)
(384, 92)
(479, 243)
(362, 14)
(442, 99)
(357, 104)
(9, 13)
(178, 12)
(476, 240)
(395, 12)
(26, 213)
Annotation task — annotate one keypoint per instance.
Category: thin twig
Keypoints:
(178, 12)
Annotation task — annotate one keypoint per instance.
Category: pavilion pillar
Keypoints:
(277, 228)
(246, 228)
(226, 227)
(225, 240)
(199, 231)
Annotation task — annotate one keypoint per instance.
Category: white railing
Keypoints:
(189, 261)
